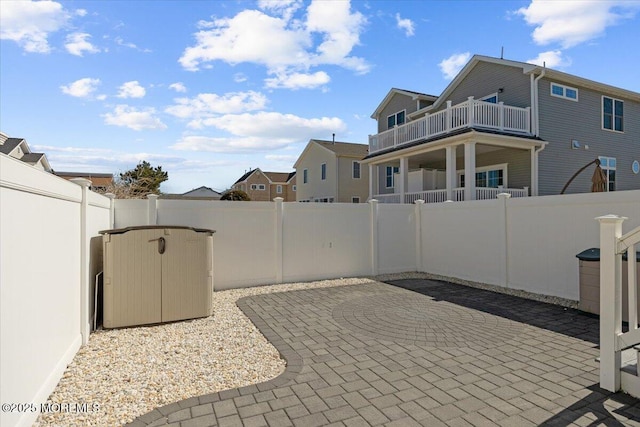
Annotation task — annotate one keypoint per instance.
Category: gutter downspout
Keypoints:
(537, 106)
(535, 154)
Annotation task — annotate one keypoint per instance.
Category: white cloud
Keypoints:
(131, 89)
(551, 59)
(178, 87)
(207, 105)
(133, 118)
(571, 22)
(228, 145)
(29, 23)
(452, 65)
(405, 24)
(78, 43)
(276, 125)
(282, 44)
(82, 88)
(240, 77)
(296, 81)
(262, 131)
(120, 42)
(81, 12)
(289, 158)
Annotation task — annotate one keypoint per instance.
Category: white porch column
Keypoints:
(452, 175)
(469, 170)
(404, 177)
(610, 301)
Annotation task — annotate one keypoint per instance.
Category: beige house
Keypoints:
(266, 186)
(331, 172)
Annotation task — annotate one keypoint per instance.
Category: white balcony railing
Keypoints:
(438, 196)
(471, 113)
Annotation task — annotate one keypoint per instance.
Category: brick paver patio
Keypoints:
(421, 352)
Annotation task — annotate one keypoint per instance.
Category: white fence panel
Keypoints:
(129, 212)
(545, 234)
(40, 281)
(465, 240)
(396, 238)
(244, 244)
(322, 241)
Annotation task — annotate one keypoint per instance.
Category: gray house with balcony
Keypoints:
(515, 127)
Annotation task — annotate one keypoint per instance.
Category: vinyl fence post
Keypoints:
(504, 197)
(278, 237)
(85, 327)
(373, 204)
(610, 301)
(152, 209)
(418, 215)
(112, 209)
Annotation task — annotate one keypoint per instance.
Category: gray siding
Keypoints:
(487, 78)
(562, 121)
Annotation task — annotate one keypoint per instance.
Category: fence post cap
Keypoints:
(110, 195)
(152, 196)
(503, 196)
(419, 202)
(611, 219)
(82, 182)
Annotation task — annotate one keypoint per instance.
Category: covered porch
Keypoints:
(436, 171)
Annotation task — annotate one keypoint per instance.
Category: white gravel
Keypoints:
(129, 372)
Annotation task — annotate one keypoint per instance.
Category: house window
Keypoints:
(390, 171)
(608, 166)
(396, 119)
(356, 170)
(355, 199)
(294, 188)
(612, 114)
(488, 177)
(565, 92)
(323, 171)
(254, 186)
(305, 176)
(279, 189)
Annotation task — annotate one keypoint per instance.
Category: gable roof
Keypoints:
(395, 91)
(340, 149)
(527, 68)
(10, 144)
(203, 188)
(271, 176)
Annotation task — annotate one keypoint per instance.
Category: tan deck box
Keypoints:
(155, 274)
(589, 262)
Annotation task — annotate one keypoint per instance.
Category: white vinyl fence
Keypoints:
(46, 224)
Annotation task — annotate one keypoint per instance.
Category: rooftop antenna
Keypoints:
(333, 141)
(502, 52)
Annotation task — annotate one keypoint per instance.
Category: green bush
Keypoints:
(237, 195)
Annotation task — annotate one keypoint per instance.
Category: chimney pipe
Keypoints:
(334, 139)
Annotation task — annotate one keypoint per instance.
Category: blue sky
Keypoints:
(209, 89)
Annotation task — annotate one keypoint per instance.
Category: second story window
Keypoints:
(305, 176)
(396, 119)
(565, 92)
(612, 114)
(323, 171)
(608, 165)
(356, 170)
(294, 188)
(279, 189)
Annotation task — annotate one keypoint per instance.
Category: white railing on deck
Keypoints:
(457, 195)
(612, 340)
(471, 113)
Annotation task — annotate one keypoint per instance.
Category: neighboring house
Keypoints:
(515, 127)
(19, 149)
(266, 186)
(100, 182)
(331, 171)
(204, 193)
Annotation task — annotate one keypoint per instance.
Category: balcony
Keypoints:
(438, 196)
(469, 114)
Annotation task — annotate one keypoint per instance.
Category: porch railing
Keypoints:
(471, 113)
(438, 196)
(613, 341)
